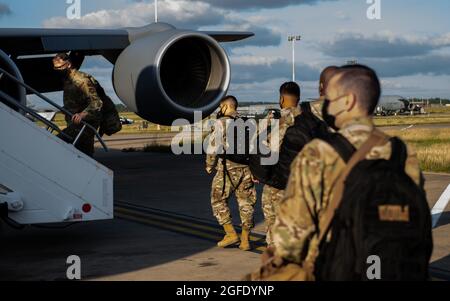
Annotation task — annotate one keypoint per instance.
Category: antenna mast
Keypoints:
(156, 11)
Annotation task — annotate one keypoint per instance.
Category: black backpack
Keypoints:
(382, 213)
(110, 123)
(306, 128)
(240, 153)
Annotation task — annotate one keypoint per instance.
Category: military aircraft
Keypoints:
(160, 72)
(396, 105)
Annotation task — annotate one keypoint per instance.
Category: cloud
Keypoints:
(251, 69)
(342, 15)
(390, 84)
(264, 36)
(435, 65)
(257, 4)
(387, 45)
(4, 10)
(392, 55)
(181, 13)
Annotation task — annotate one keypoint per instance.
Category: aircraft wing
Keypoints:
(22, 41)
(32, 49)
(40, 41)
(230, 36)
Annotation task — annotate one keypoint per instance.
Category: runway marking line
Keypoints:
(171, 220)
(165, 226)
(440, 206)
(178, 229)
(175, 224)
(167, 214)
(181, 219)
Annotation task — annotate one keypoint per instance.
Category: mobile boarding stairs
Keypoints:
(42, 178)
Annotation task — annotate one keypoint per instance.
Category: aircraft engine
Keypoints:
(172, 74)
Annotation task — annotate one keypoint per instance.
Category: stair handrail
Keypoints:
(35, 115)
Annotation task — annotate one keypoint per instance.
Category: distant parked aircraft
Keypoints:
(397, 105)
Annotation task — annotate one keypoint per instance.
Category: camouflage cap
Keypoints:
(61, 60)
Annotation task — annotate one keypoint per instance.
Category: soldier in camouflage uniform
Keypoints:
(348, 108)
(82, 100)
(231, 177)
(325, 76)
(271, 197)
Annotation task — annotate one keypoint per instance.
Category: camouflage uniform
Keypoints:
(316, 108)
(272, 196)
(310, 188)
(235, 178)
(80, 95)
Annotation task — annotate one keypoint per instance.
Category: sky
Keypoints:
(409, 46)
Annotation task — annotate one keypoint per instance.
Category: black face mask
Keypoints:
(329, 119)
(62, 69)
(64, 72)
(220, 114)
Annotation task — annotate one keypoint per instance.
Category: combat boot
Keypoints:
(245, 240)
(230, 238)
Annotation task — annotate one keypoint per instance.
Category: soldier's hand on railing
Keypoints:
(77, 118)
(255, 180)
(209, 169)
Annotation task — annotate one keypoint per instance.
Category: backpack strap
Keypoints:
(226, 173)
(376, 138)
(399, 153)
(305, 107)
(341, 145)
(100, 91)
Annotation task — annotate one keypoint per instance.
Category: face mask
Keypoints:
(63, 72)
(329, 119)
(62, 69)
(220, 114)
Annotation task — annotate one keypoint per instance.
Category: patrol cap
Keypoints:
(61, 60)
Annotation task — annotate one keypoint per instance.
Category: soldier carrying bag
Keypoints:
(240, 153)
(306, 128)
(377, 210)
(110, 123)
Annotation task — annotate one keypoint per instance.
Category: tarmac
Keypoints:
(163, 229)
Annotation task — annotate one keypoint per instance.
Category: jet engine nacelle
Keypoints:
(171, 74)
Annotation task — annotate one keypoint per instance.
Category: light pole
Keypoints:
(156, 11)
(293, 39)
